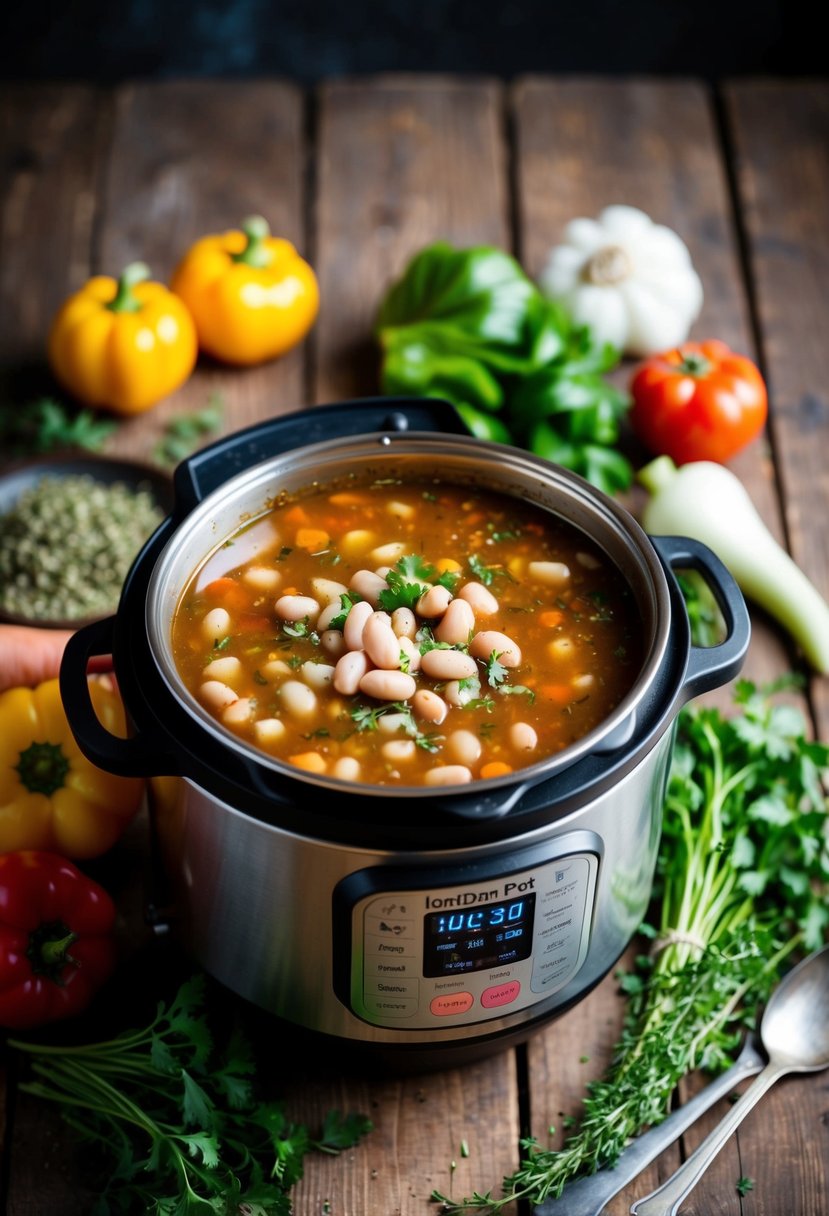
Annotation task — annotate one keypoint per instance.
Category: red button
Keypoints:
(457, 1002)
(503, 994)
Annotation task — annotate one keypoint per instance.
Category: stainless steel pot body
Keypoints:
(415, 917)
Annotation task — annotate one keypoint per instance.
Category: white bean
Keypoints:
(583, 682)
(447, 774)
(380, 641)
(480, 599)
(434, 602)
(390, 724)
(399, 749)
(262, 578)
(317, 675)
(216, 624)
(412, 652)
(268, 731)
(404, 623)
(355, 623)
(326, 616)
(552, 574)
(457, 624)
(296, 608)
(333, 643)
(275, 669)
(327, 591)
(401, 510)
(588, 561)
(429, 706)
(347, 768)
(216, 695)
(299, 700)
(458, 696)
(560, 648)
(227, 669)
(237, 713)
(523, 737)
(489, 640)
(448, 665)
(349, 672)
(388, 685)
(388, 554)
(463, 746)
(369, 585)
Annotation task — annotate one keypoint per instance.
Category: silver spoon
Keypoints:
(588, 1196)
(795, 1035)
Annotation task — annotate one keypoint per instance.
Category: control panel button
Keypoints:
(391, 1007)
(502, 994)
(391, 987)
(452, 1003)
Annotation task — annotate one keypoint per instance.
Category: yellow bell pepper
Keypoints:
(51, 797)
(123, 344)
(251, 295)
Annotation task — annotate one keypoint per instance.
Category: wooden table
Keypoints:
(360, 175)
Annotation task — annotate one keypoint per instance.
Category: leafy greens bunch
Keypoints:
(177, 1119)
(468, 326)
(742, 887)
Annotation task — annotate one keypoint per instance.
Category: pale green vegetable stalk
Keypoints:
(706, 501)
(741, 889)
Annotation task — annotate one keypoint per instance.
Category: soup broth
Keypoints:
(408, 634)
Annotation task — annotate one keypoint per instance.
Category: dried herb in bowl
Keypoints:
(67, 543)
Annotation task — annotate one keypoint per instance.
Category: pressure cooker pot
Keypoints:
(433, 922)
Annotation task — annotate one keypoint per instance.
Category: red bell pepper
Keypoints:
(56, 939)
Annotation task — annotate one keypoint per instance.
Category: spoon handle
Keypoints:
(666, 1200)
(588, 1196)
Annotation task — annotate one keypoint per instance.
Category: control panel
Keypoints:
(463, 953)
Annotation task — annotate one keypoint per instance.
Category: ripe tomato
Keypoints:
(700, 401)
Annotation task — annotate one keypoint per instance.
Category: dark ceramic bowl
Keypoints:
(20, 477)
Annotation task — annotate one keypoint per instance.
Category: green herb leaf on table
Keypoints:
(742, 890)
(47, 424)
(185, 432)
(175, 1117)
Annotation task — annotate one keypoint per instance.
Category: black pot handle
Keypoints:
(136, 756)
(212, 466)
(710, 666)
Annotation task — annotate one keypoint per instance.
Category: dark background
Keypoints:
(112, 40)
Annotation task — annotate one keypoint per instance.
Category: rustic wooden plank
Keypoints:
(580, 146)
(781, 136)
(584, 144)
(402, 163)
(51, 142)
(191, 158)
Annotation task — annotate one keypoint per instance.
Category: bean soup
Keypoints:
(408, 634)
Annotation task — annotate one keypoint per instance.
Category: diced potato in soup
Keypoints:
(432, 634)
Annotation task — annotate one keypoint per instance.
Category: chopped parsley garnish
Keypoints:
(519, 690)
(486, 703)
(401, 592)
(486, 574)
(496, 672)
(301, 629)
(258, 677)
(366, 717)
(347, 601)
(222, 643)
(284, 552)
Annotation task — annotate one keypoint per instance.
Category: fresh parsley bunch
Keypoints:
(742, 889)
(177, 1118)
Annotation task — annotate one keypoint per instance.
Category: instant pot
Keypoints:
(345, 908)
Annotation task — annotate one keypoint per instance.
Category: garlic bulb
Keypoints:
(630, 280)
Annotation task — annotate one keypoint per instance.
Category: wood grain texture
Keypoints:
(51, 143)
(195, 157)
(401, 162)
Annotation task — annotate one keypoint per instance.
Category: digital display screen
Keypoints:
(471, 939)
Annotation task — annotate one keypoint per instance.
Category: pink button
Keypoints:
(457, 1002)
(504, 994)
